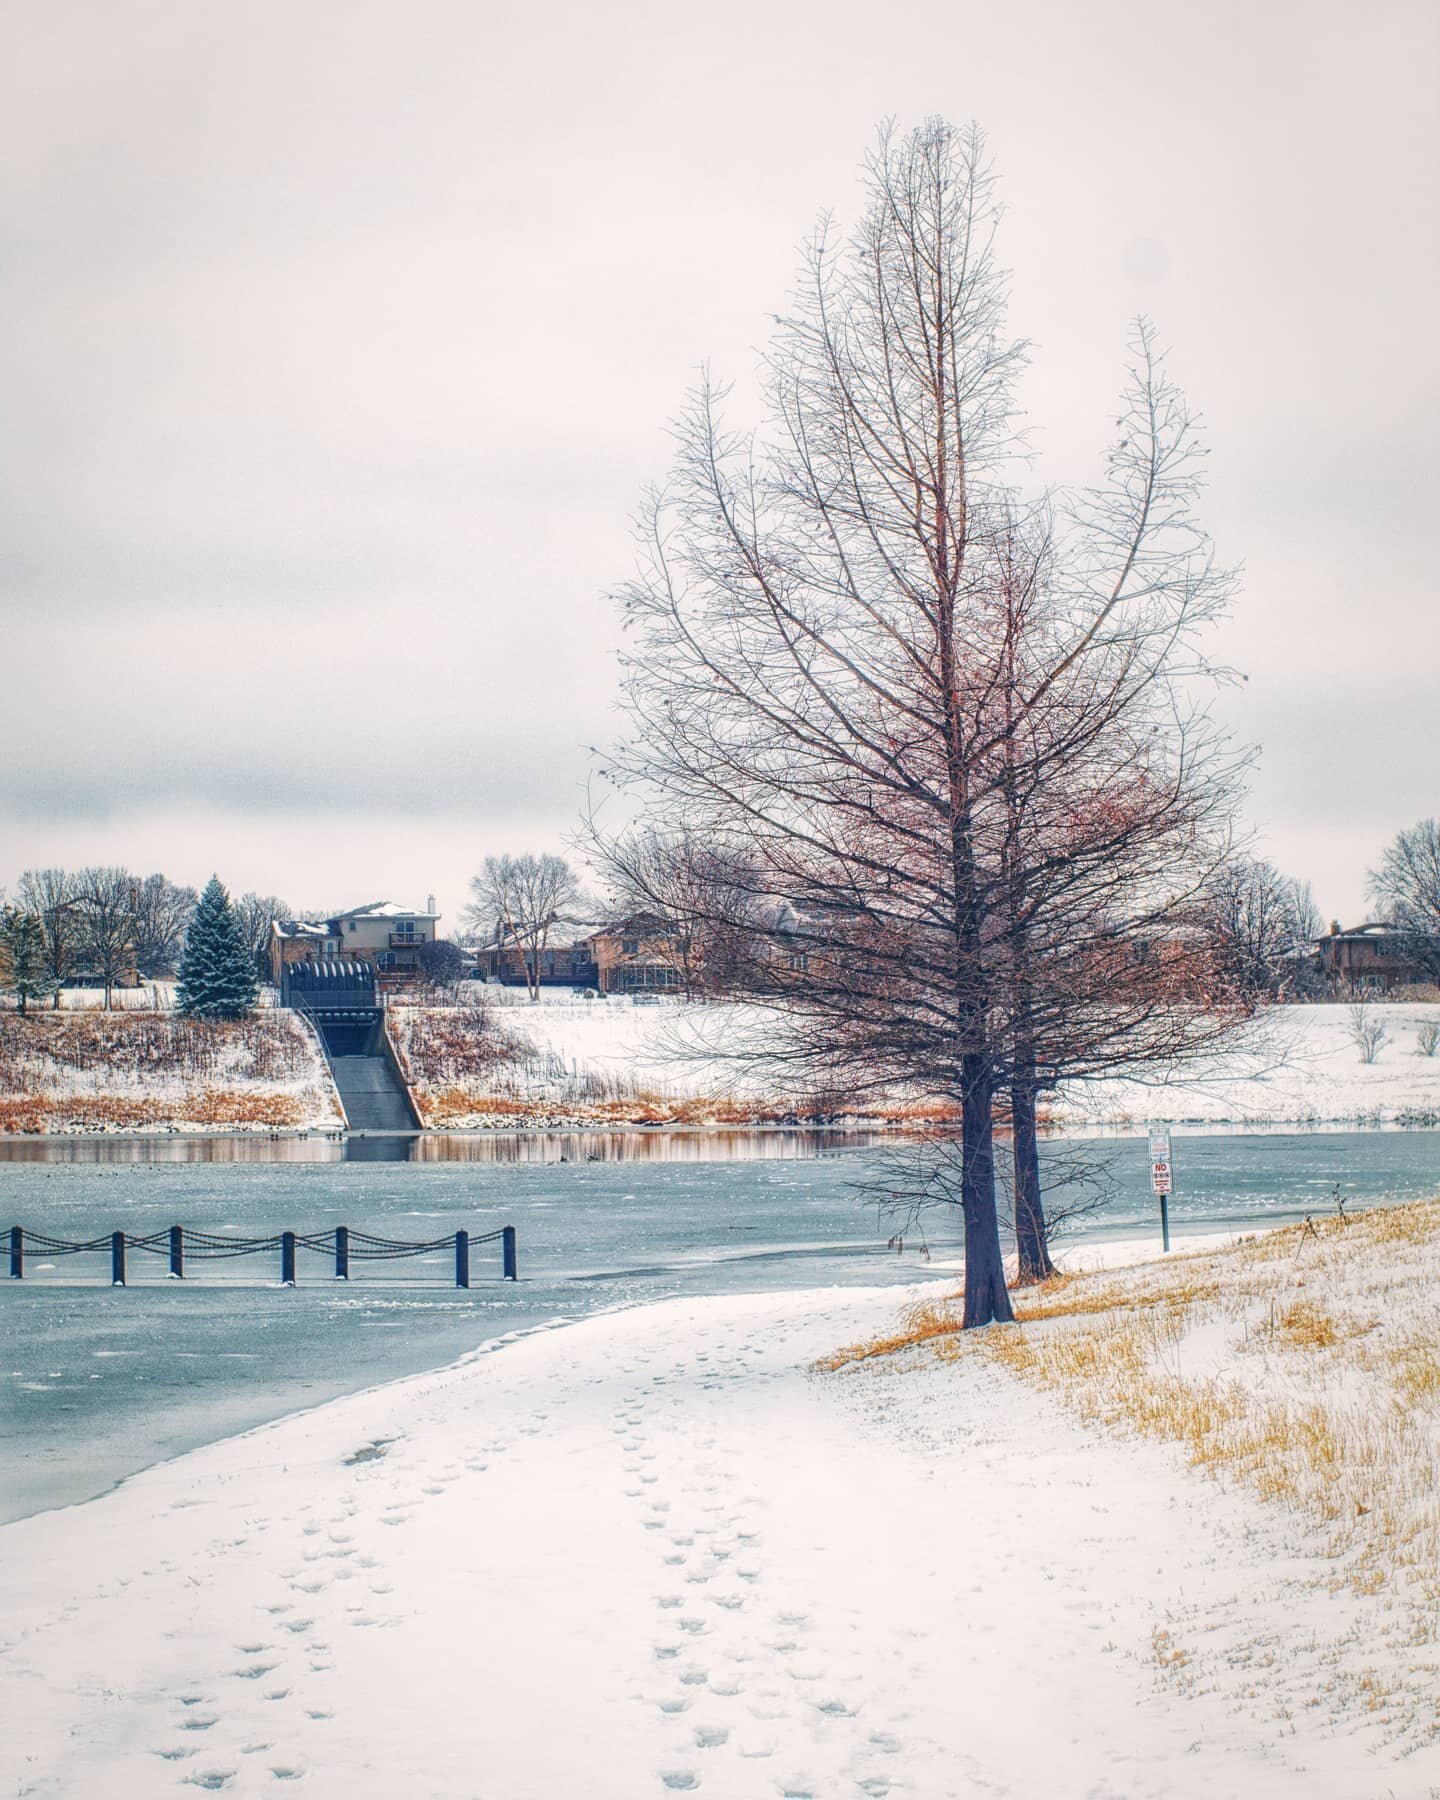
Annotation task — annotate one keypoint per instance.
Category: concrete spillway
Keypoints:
(373, 1097)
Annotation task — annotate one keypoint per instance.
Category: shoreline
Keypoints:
(1114, 1130)
(774, 1564)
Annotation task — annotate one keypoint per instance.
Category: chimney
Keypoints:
(430, 903)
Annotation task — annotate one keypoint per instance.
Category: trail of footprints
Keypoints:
(732, 1668)
(284, 1651)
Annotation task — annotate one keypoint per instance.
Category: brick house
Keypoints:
(1367, 956)
(383, 934)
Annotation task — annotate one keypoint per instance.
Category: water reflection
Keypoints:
(778, 1144)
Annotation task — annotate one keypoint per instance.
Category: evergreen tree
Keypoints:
(217, 972)
(23, 969)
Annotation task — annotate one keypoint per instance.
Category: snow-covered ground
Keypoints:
(156, 1071)
(659, 1552)
(1304, 1068)
(1300, 1066)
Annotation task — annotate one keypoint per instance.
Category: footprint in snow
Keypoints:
(681, 1779)
(213, 1779)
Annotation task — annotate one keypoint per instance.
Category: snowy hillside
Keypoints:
(1305, 1069)
(670, 1060)
(69, 1072)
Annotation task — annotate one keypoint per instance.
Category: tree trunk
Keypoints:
(987, 1300)
(1030, 1232)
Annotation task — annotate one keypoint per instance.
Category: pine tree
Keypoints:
(217, 972)
(23, 970)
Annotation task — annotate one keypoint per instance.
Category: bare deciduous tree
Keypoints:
(51, 895)
(1258, 918)
(1407, 887)
(255, 916)
(163, 912)
(520, 899)
(107, 902)
(694, 890)
(828, 682)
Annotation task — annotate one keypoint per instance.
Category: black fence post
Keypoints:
(177, 1253)
(287, 1259)
(117, 1259)
(17, 1253)
(342, 1252)
(511, 1254)
(462, 1259)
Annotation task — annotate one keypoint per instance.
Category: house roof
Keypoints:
(320, 928)
(385, 909)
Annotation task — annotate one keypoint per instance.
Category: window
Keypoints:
(630, 946)
(405, 931)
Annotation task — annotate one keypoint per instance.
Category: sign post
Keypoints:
(1162, 1176)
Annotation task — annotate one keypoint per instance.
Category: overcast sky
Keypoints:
(339, 340)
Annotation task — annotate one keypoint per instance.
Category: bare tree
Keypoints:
(107, 902)
(163, 912)
(1427, 1037)
(1258, 918)
(51, 894)
(521, 899)
(255, 916)
(1407, 887)
(823, 684)
(694, 891)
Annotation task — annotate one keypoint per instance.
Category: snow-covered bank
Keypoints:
(658, 1552)
(606, 1062)
(67, 1073)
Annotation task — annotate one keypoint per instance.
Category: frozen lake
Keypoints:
(96, 1382)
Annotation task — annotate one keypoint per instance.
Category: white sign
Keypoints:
(1162, 1166)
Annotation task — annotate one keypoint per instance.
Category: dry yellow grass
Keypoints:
(1303, 1365)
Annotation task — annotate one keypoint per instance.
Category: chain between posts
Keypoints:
(178, 1244)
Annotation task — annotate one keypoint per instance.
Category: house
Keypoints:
(1367, 956)
(567, 963)
(382, 933)
(639, 954)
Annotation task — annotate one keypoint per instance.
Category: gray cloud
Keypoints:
(337, 342)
